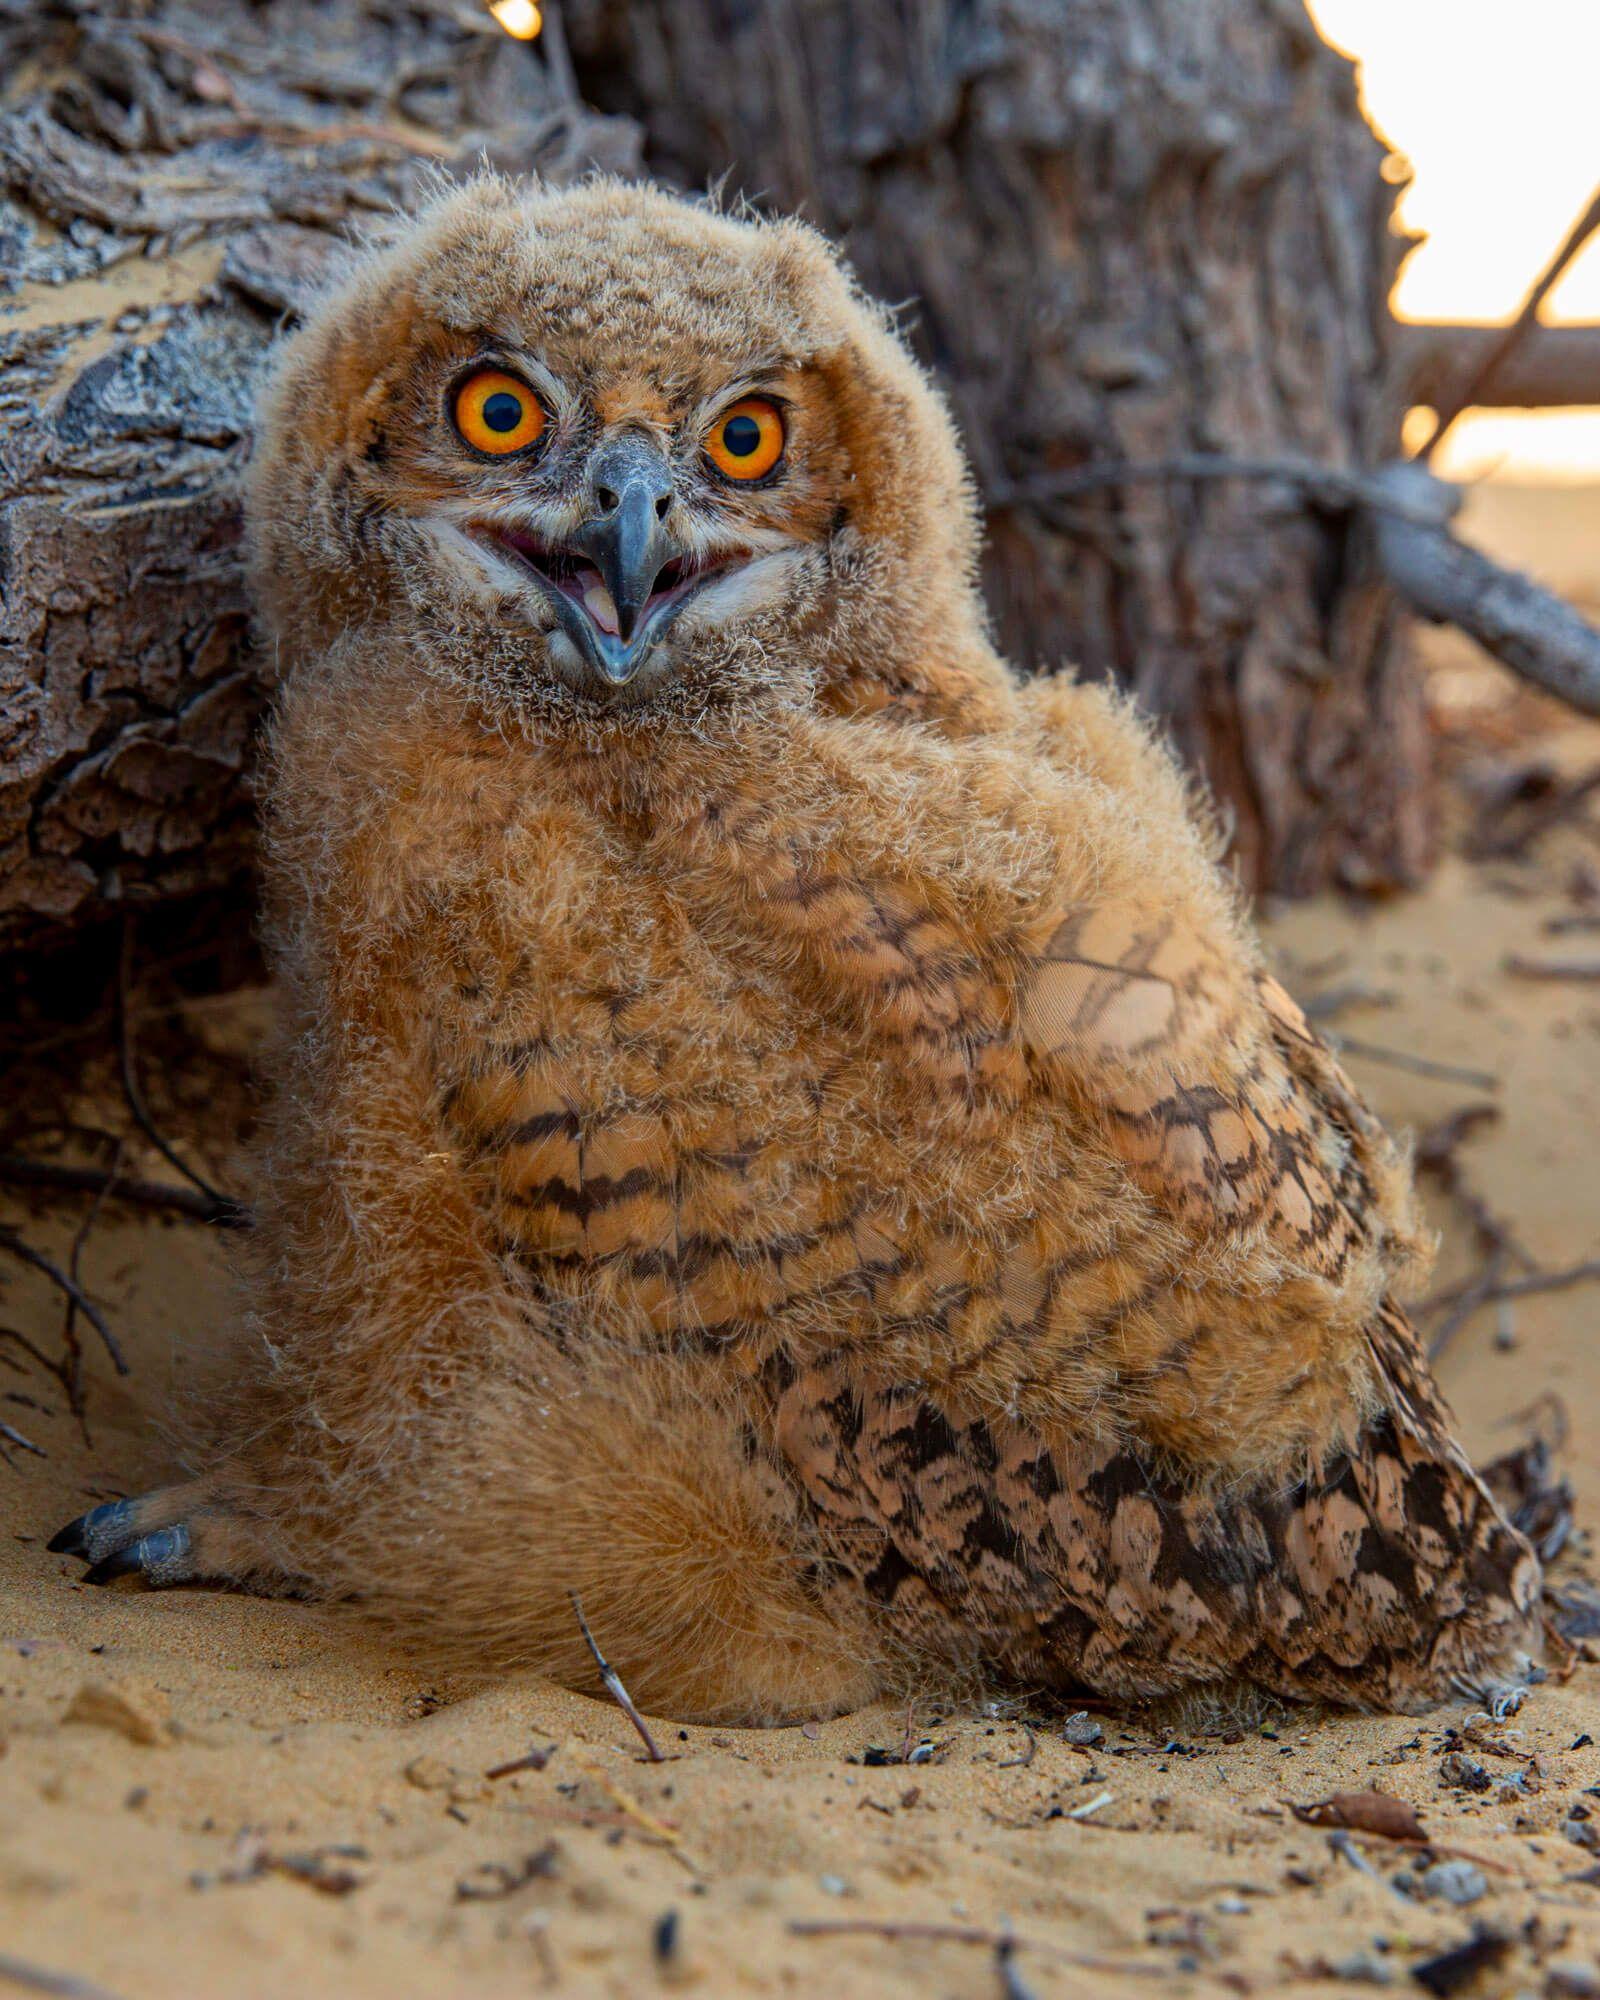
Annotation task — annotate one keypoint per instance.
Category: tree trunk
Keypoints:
(1123, 232)
(173, 175)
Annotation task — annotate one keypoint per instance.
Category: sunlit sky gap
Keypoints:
(1494, 105)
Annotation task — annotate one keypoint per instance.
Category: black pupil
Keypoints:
(502, 411)
(740, 436)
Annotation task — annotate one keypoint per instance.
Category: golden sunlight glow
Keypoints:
(1493, 106)
(520, 18)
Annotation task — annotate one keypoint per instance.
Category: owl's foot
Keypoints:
(177, 1534)
(1503, 1696)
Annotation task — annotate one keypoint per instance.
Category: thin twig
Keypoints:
(1551, 968)
(10, 1240)
(9, 1436)
(1335, 486)
(1544, 1281)
(1480, 1079)
(72, 1367)
(40, 1979)
(130, 1081)
(919, 1933)
(1497, 1240)
(1469, 391)
(1021, 1763)
(16, 1170)
(534, 1761)
(613, 1683)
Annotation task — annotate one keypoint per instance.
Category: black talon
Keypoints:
(123, 1563)
(148, 1556)
(70, 1540)
(77, 1538)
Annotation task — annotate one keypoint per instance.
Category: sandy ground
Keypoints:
(206, 1795)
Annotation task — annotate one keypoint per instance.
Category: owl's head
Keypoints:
(600, 452)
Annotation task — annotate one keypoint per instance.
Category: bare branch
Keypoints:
(16, 1170)
(1550, 367)
(1472, 390)
(1524, 625)
(25, 1252)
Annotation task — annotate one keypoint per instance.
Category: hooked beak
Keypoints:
(620, 578)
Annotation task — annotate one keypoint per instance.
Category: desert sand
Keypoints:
(207, 1795)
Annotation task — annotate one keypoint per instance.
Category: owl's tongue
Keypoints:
(598, 601)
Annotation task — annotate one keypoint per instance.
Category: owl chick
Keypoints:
(780, 1128)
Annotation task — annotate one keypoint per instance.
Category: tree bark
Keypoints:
(174, 175)
(1124, 232)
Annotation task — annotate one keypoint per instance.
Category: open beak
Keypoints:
(620, 578)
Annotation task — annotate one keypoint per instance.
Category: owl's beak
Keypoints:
(630, 490)
(618, 580)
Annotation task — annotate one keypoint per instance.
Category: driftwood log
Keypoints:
(1146, 248)
(174, 175)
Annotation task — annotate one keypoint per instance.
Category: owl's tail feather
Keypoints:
(1385, 1580)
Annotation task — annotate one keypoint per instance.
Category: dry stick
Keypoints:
(1530, 629)
(1021, 1763)
(1545, 1281)
(1480, 378)
(1497, 1239)
(1376, 1052)
(1332, 486)
(10, 1240)
(130, 1083)
(1552, 968)
(17, 1170)
(1533, 631)
(40, 1979)
(9, 1436)
(613, 1683)
(964, 1934)
(72, 1372)
(1551, 367)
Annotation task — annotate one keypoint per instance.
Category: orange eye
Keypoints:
(494, 412)
(747, 440)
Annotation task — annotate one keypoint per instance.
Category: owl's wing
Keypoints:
(1209, 1085)
(1375, 1569)
(1381, 1580)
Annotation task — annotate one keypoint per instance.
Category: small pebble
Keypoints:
(1364, 1968)
(1456, 1769)
(1232, 1906)
(1082, 1729)
(1454, 1882)
(833, 1885)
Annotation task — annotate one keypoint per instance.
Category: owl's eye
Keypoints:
(496, 413)
(746, 441)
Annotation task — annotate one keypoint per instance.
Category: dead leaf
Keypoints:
(1364, 1812)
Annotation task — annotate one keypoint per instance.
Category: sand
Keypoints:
(201, 1794)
